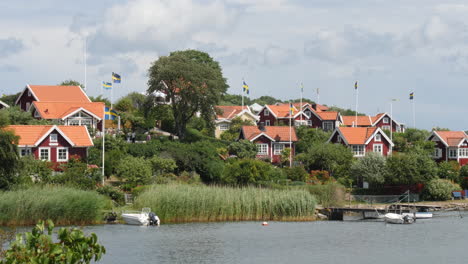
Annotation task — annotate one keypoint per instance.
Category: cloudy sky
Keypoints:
(390, 47)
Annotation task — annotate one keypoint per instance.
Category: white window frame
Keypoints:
(266, 112)
(463, 153)
(338, 139)
(36, 113)
(386, 128)
(358, 150)
(378, 138)
(58, 156)
(261, 147)
(386, 120)
(40, 153)
(325, 124)
(53, 140)
(278, 148)
(375, 146)
(28, 105)
(267, 122)
(452, 151)
(224, 126)
(28, 151)
(308, 114)
(309, 122)
(437, 153)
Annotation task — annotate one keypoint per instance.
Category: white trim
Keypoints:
(363, 149)
(4, 104)
(327, 122)
(24, 148)
(90, 139)
(382, 133)
(262, 134)
(385, 114)
(450, 156)
(57, 152)
(378, 139)
(274, 148)
(337, 130)
(381, 148)
(314, 112)
(26, 88)
(263, 153)
(50, 131)
(39, 152)
(439, 137)
(84, 110)
(53, 140)
(267, 124)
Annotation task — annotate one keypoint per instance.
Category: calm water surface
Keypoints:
(443, 239)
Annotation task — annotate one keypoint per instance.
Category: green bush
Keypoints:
(330, 194)
(113, 193)
(64, 205)
(246, 171)
(439, 190)
(200, 203)
(135, 171)
(297, 173)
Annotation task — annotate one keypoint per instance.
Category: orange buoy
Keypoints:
(264, 223)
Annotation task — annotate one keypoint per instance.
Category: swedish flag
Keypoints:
(355, 85)
(116, 77)
(107, 85)
(110, 114)
(291, 109)
(411, 96)
(245, 87)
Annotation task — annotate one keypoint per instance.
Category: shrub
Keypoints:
(243, 149)
(439, 190)
(162, 165)
(246, 171)
(330, 194)
(135, 171)
(113, 193)
(76, 174)
(296, 173)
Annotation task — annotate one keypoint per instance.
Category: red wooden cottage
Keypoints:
(362, 140)
(53, 143)
(270, 140)
(381, 120)
(450, 145)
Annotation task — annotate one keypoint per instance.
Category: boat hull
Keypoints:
(420, 215)
(392, 218)
(136, 219)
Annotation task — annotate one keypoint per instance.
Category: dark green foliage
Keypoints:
(113, 193)
(296, 173)
(439, 190)
(243, 149)
(246, 171)
(16, 116)
(266, 100)
(40, 170)
(334, 158)
(330, 194)
(234, 130)
(100, 98)
(76, 174)
(412, 138)
(370, 168)
(409, 168)
(309, 137)
(10, 99)
(234, 99)
(162, 165)
(135, 171)
(449, 170)
(71, 82)
(147, 150)
(72, 247)
(9, 159)
(344, 112)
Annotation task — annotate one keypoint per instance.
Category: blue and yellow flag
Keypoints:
(291, 109)
(107, 85)
(110, 114)
(116, 77)
(355, 85)
(245, 87)
(411, 96)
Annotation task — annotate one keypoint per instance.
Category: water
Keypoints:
(443, 239)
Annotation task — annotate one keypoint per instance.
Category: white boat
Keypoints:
(419, 215)
(145, 218)
(398, 218)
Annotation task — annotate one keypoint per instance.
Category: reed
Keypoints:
(188, 203)
(64, 206)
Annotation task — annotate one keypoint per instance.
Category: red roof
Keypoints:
(361, 120)
(278, 133)
(328, 115)
(451, 138)
(59, 110)
(321, 108)
(281, 111)
(356, 135)
(30, 135)
(57, 93)
(229, 112)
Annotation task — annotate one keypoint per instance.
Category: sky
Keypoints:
(391, 48)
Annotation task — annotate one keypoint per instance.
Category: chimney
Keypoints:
(314, 106)
(261, 126)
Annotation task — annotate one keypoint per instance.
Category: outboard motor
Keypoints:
(153, 219)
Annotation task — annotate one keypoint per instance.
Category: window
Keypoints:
(453, 153)
(224, 127)
(307, 113)
(309, 122)
(338, 139)
(36, 114)
(25, 151)
(378, 138)
(385, 120)
(267, 122)
(62, 154)
(262, 149)
(386, 127)
(277, 149)
(53, 137)
(28, 105)
(327, 126)
(378, 148)
(463, 153)
(437, 153)
(358, 150)
(74, 122)
(44, 154)
(29, 92)
(266, 112)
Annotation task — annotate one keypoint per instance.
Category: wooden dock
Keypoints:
(336, 213)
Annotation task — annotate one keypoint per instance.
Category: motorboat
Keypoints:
(144, 218)
(393, 218)
(419, 215)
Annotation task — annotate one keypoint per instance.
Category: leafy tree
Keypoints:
(309, 137)
(449, 170)
(135, 171)
(9, 157)
(10, 99)
(439, 190)
(409, 168)
(76, 173)
(71, 82)
(16, 116)
(192, 80)
(162, 165)
(233, 132)
(370, 168)
(39, 170)
(72, 247)
(100, 98)
(296, 173)
(234, 99)
(412, 138)
(334, 158)
(266, 100)
(243, 149)
(345, 112)
(246, 171)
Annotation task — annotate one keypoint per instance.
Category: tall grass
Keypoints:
(65, 206)
(188, 203)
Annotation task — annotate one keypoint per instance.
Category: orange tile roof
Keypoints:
(281, 111)
(361, 120)
(228, 111)
(328, 115)
(57, 93)
(357, 135)
(452, 138)
(30, 134)
(278, 133)
(376, 117)
(58, 110)
(321, 108)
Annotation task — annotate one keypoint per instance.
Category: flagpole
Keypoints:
(414, 115)
(243, 93)
(391, 120)
(357, 93)
(318, 96)
(103, 142)
(290, 135)
(85, 62)
(112, 94)
(302, 91)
